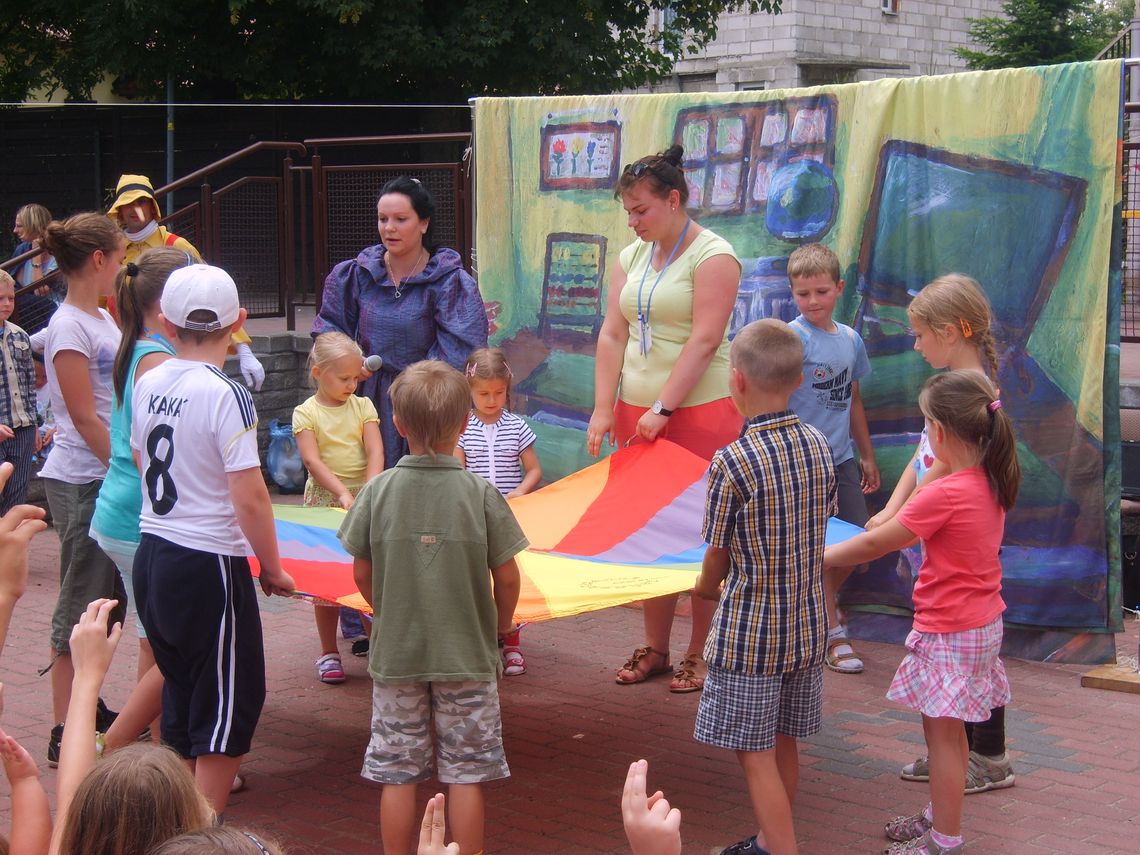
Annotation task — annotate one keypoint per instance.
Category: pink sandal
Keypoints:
(513, 661)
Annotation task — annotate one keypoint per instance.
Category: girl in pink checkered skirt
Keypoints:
(951, 673)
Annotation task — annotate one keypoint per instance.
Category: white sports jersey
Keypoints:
(192, 425)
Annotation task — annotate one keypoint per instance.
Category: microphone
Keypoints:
(374, 363)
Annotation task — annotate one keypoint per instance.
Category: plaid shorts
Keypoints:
(468, 733)
(952, 674)
(744, 712)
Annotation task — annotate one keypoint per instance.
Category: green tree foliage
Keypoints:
(1043, 32)
(353, 50)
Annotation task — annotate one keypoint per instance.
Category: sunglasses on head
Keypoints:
(639, 168)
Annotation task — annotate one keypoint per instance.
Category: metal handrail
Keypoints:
(392, 139)
(193, 177)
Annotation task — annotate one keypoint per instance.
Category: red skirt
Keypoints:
(701, 429)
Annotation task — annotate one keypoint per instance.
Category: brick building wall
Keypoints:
(816, 42)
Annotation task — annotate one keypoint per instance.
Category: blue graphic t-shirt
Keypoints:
(832, 362)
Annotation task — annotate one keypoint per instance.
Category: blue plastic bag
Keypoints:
(283, 459)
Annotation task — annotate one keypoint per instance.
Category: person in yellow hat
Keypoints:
(137, 212)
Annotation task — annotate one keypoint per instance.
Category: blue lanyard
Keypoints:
(649, 263)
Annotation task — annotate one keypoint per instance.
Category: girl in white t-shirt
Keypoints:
(338, 435)
(79, 354)
(499, 446)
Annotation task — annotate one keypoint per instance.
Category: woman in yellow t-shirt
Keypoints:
(663, 358)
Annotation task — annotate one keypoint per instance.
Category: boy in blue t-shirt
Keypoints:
(835, 360)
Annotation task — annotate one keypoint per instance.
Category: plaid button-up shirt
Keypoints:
(769, 496)
(17, 378)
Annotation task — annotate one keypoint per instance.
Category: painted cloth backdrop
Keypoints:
(1010, 176)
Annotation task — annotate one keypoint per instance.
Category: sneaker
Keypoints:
(104, 717)
(360, 646)
(988, 773)
(924, 845)
(904, 828)
(53, 745)
(329, 669)
(983, 773)
(513, 661)
(745, 847)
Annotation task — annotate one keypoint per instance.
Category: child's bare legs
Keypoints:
(214, 774)
(465, 816)
(949, 754)
(772, 777)
(326, 618)
(62, 675)
(140, 711)
(397, 817)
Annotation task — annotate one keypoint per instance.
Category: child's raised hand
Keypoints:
(18, 763)
(17, 528)
(433, 829)
(651, 825)
(92, 646)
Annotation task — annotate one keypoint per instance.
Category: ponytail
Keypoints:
(964, 403)
(138, 289)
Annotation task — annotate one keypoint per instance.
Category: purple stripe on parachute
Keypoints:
(674, 529)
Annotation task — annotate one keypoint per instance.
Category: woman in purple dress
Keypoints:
(404, 300)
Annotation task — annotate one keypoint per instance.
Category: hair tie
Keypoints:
(994, 405)
(471, 369)
(132, 269)
(510, 373)
(967, 330)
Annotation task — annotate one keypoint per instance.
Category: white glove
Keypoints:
(39, 340)
(251, 369)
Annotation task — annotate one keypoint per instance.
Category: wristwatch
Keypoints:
(659, 410)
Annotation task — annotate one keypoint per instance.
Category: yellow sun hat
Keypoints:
(130, 189)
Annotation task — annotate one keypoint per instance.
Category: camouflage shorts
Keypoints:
(468, 744)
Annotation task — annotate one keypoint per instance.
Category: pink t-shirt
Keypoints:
(961, 525)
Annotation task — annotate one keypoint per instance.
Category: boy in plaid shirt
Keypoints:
(18, 430)
(769, 496)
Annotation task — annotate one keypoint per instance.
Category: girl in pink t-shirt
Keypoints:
(952, 673)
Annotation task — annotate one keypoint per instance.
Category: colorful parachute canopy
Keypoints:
(624, 529)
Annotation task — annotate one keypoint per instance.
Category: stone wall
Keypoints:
(815, 42)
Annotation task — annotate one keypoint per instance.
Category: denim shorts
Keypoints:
(85, 571)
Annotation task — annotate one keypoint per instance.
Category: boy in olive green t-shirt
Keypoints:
(423, 535)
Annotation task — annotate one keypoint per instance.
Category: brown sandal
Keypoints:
(685, 678)
(641, 676)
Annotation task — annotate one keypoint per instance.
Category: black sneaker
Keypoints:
(104, 717)
(745, 847)
(360, 647)
(53, 745)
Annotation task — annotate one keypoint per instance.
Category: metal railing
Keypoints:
(262, 228)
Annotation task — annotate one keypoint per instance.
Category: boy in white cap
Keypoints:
(205, 507)
(137, 212)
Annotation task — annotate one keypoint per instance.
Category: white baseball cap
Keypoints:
(200, 287)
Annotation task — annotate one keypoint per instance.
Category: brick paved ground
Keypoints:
(571, 732)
